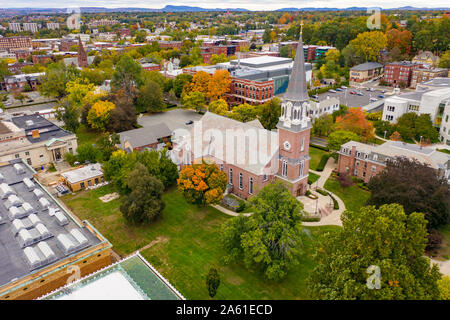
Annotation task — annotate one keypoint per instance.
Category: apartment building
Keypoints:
(399, 73)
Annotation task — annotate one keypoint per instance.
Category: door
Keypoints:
(57, 154)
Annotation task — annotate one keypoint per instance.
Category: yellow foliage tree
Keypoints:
(219, 107)
(200, 82)
(444, 287)
(395, 136)
(98, 115)
(219, 85)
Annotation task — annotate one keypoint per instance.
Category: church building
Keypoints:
(250, 155)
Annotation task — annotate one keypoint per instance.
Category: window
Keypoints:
(265, 178)
(302, 165)
(82, 185)
(357, 163)
(16, 156)
(374, 168)
(375, 157)
(356, 172)
(96, 180)
(89, 183)
(364, 174)
(221, 167)
(27, 153)
(250, 185)
(41, 157)
(240, 181)
(302, 147)
(284, 169)
(230, 176)
(29, 161)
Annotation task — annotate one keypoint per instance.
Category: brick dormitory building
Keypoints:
(365, 161)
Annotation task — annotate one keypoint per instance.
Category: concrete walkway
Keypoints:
(229, 212)
(335, 217)
(444, 266)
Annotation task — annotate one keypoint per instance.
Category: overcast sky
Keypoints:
(248, 4)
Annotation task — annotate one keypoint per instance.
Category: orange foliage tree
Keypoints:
(395, 136)
(202, 183)
(200, 82)
(355, 121)
(219, 85)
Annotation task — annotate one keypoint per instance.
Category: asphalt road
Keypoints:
(174, 119)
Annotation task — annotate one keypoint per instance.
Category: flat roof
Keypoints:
(13, 260)
(132, 278)
(84, 173)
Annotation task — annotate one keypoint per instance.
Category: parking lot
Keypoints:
(174, 119)
(354, 100)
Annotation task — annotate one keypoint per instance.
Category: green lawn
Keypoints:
(315, 154)
(86, 135)
(444, 250)
(354, 197)
(186, 244)
(312, 177)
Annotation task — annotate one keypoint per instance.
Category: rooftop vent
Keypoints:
(13, 200)
(61, 218)
(29, 123)
(6, 191)
(44, 203)
(37, 192)
(16, 213)
(19, 168)
(29, 184)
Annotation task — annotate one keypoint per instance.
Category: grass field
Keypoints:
(315, 154)
(354, 197)
(185, 244)
(312, 177)
(86, 135)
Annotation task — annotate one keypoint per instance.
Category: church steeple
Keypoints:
(82, 57)
(294, 108)
(297, 89)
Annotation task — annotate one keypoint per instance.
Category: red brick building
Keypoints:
(397, 73)
(151, 67)
(366, 161)
(15, 43)
(66, 44)
(42, 58)
(170, 44)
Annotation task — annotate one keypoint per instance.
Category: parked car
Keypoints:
(352, 92)
(189, 122)
(360, 93)
(315, 96)
(367, 89)
(380, 96)
(373, 99)
(332, 91)
(339, 89)
(344, 87)
(383, 91)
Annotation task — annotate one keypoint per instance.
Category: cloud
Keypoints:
(248, 4)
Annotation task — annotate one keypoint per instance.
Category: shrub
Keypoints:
(322, 192)
(434, 240)
(310, 219)
(319, 147)
(335, 203)
(323, 162)
(241, 207)
(307, 193)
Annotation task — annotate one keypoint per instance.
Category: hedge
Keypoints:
(323, 162)
(310, 219)
(319, 147)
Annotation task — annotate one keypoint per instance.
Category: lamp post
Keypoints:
(385, 134)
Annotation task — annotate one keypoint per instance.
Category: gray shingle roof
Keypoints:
(144, 136)
(297, 89)
(367, 66)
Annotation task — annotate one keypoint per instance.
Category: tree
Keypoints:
(377, 254)
(414, 185)
(212, 282)
(55, 80)
(444, 62)
(345, 180)
(200, 82)
(144, 203)
(107, 145)
(219, 85)
(127, 75)
(269, 113)
(4, 70)
(244, 112)
(219, 107)
(218, 58)
(77, 90)
(194, 100)
(413, 126)
(150, 98)
(355, 121)
(202, 183)
(395, 136)
(338, 138)
(369, 44)
(87, 152)
(123, 116)
(270, 239)
(180, 82)
(69, 114)
(323, 125)
(399, 39)
(99, 114)
(444, 287)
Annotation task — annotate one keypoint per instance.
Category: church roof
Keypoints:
(297, 89)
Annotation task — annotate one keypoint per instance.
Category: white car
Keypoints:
(343, 87)
(373, 99)
(332, 91)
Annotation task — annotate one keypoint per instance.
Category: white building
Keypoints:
(326, 106)
(14, 26)
(32, 27)
(52, 25)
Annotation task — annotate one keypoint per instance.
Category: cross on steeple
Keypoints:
(301, 27)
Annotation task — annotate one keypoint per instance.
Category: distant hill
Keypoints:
(172, 8)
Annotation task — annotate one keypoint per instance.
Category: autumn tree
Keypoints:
(219, 85)
(416, 186)
(144, 202)
(377, 254)
(127, 75)
(99, 114)
(270, 240)
(444, 287)
(57, 75)
(202, 183)
(355, 121)
(369, 44)
(323, 125)
(219, 107)
(200, 82)
(244, 112)
(218, 58)
(400, 39)
(395, 136)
